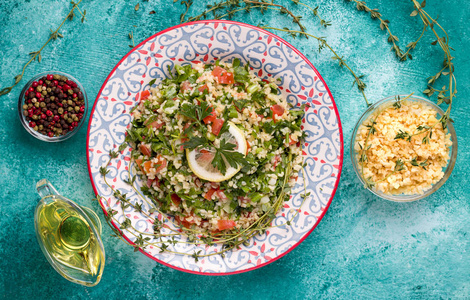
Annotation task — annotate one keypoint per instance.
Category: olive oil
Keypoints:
(69, 237)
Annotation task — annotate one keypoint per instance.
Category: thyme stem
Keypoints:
(37, 54)
(357, 79)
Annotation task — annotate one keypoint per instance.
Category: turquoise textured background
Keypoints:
(363, 247)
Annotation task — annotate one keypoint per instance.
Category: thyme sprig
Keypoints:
(234, 6)
(375, 14)
(187, 4)
(38, 54)
(322, 43)
(323, 22)
(162, 241)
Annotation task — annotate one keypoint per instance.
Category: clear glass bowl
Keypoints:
(38, 135)
(402, 197)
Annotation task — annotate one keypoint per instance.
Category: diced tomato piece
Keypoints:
(155, 124)
(182, 221)
(277, 110)
(223, 76)
(276, 160)
(203, 88)
(147, 166)
(209, 194)
(175, 199)
(210, 118)
(139, 164)
(217, 126)
(185, 85)
(150, 182)
(291, 141)
(161, 163)
(225, 224)
(145, 150)
(247, 147)
(144, 95)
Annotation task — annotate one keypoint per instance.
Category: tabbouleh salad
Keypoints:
(216, 146)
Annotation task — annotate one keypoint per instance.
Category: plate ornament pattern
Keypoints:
(268, 56)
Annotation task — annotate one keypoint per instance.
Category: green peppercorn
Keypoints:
(36, 104)
(44, 93)
(75, 119)
(25, 106)
(56, 77)
(30, 105)
(69, 120)
(69, 102)
(34, 100)
(41, 127)
(48, 90)
(70, 108)
(35, 117)
(48, 82)
(70, 92)
(42, 104)
(59, 131)
(77, 108)
(35, 128)
(43, 88)
(60, 110)
(64, 101)
(25, 113)
(39, 88)
(52, 98)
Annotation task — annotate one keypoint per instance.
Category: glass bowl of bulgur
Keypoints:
(401, 151)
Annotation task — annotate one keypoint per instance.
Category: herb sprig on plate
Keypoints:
(166, 232)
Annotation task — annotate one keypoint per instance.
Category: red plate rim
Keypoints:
(335, 110)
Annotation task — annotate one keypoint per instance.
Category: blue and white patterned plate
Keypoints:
(269, 56)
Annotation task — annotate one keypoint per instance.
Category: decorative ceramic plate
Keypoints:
(269, 56)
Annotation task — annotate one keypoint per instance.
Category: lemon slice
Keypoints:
(200, 160)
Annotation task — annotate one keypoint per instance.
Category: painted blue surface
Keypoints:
(364, 246)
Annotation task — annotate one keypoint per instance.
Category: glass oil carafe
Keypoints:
(69, 236)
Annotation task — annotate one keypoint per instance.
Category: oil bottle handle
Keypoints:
(45, 188)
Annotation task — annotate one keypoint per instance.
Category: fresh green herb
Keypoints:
(37, 54)
(196, 112)
(187, 4)
(226, 154)
(195, 142)
(403, 135)
(241, 74)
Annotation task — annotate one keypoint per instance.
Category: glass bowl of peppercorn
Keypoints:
(53, 106)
